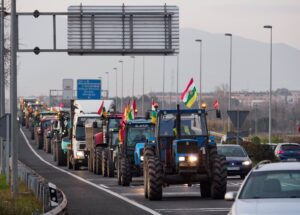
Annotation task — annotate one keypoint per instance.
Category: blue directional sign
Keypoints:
(88, 89)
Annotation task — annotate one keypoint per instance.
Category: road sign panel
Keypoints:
(88, 89)
(238, 117)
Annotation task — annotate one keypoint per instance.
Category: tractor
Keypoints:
(129, 158)
(183, 153)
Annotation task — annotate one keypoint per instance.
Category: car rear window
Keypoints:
(290, 147)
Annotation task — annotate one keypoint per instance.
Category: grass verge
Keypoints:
(25, 203)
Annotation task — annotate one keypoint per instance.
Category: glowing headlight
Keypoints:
(142, 158)
(80, 154)
(246, 163)
(181, 158)
(193, 158)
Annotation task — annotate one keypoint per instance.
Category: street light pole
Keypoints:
(133, 71)
(107, 95)
(116, 70)
(200, 74)
(164, 71)
(230, 75)
(143, 97)
(120, 61)
(270, 94)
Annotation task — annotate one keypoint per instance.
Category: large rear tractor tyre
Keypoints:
(154, 179)
(145, 169)
(104, 162)
(98, 161)
(39, 143)
(219, 177)
(32, 134)
(54, 146)
(119, 169)
(125, 172)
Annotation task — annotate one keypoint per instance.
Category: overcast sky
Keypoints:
(242, 18)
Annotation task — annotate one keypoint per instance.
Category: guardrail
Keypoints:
(40, 187)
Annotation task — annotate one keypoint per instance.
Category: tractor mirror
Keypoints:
(218, 114)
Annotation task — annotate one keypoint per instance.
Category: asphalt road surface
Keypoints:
(93, 194)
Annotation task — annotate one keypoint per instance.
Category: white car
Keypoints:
(270, 188)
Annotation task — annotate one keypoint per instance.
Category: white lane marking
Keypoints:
(166, 194)
(193, 209)
(102, 185)
(149, 210)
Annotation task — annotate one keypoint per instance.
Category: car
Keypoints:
(288, 151)
(230, 139)
(270, 188)
(238, 161)
(272, 146)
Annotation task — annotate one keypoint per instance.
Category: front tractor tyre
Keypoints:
(125, 172)
(154, 178)
(219, 177)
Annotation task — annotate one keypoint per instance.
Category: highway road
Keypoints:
(93, 194)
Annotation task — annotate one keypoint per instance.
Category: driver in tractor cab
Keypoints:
(185, 129)
(140, 137)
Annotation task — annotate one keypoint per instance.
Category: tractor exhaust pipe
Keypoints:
(178, 122)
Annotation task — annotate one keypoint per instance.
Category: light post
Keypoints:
(116, 70)
(230, 74)
(164, 71)
(270, 94)
(107, 95)
(133, 71)
(120, 61)
(143, 97)
(200, 74)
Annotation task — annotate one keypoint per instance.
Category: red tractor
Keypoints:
(97, 139)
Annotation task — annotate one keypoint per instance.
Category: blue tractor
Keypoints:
(130, 152)
(183, 153)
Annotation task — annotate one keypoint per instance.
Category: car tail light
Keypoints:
(280, 152)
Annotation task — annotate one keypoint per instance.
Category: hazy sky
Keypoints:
(242, 18)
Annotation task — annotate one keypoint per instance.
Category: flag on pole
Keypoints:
(101, 108)
(134, 108)
(153, 113)
(216, 104)
(189, 95)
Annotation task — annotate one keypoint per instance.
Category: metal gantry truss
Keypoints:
(115, 30)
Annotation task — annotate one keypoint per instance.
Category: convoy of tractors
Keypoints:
(175, 148)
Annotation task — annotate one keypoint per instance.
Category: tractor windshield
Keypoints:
(114, 124)
(139, 133)
(190, 125)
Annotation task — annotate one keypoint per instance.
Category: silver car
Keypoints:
(270, 188)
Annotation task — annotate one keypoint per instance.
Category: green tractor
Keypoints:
(183, 153)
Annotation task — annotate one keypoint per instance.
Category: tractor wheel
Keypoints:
(104, 162)
(32, 134)
(154, 178)
(110, 168)
(219, 177)
(75, 165)
(205, 189)
(69, 163)
(60, 155)
(48, 149)
(148, 152)
(39, 143)
(125, 172)
(119, 169)
(98, 161)
(54, 146)
(145, 169)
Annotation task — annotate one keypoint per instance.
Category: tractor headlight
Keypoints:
(246, 163)
(193, 158)
(80, 154)
(181, 158)
(142, 158)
